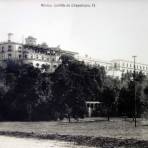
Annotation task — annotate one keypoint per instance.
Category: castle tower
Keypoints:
(9, 36)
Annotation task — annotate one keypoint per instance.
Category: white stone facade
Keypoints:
(116, 68)
(91, 61)
(124, 66)
(39, 55)
(35, 55)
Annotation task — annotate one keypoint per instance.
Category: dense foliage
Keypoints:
(28, 93)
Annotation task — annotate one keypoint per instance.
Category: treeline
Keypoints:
(29, 94)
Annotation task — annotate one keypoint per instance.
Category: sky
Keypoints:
(113, 29)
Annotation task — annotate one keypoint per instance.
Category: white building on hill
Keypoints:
(91, 61)
(39, 55)
(31, 53)
(117, 67)
(120, 67)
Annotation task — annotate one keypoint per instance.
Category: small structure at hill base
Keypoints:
(91, 106)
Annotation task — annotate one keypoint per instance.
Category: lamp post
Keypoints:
(135, 108)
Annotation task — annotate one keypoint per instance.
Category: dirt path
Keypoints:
(93, 132)
(15, 142)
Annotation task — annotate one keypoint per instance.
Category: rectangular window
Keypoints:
(19, 49)
(3, 56)
(2, 48)
(20, 56)
(9, 56)
(26, 56)
(9, 48)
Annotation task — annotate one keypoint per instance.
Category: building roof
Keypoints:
(40, 48)
(68, 52)
(127, 61)
(89, 59)
(93, 102)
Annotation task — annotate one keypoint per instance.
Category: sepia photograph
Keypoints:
(73, 74)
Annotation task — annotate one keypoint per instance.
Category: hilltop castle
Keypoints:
(32, 53)
(40, 54)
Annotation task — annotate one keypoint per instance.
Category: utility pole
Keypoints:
(135, 108)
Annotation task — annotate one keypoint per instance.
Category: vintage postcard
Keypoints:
(73, 73)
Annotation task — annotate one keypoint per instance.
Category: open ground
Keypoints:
(117, 128)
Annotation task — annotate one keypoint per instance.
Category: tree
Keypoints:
(69, 87)
(108, 98)
(29, 90)
(2, 92)
(126, 102)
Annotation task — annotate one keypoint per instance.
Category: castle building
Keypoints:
(120, 67)
(40, 54)
(31, 53)
(91, 61)
(116, 67)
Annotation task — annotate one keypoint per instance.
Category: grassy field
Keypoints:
(98, 127)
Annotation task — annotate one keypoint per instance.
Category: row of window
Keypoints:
(136, 66)
(31, 57)
(10, 56)
(131, 71)
(37, 57)
(10, 48)
(38, 65)
(96, 64)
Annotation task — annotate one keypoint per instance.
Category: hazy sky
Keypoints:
(114, 29)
